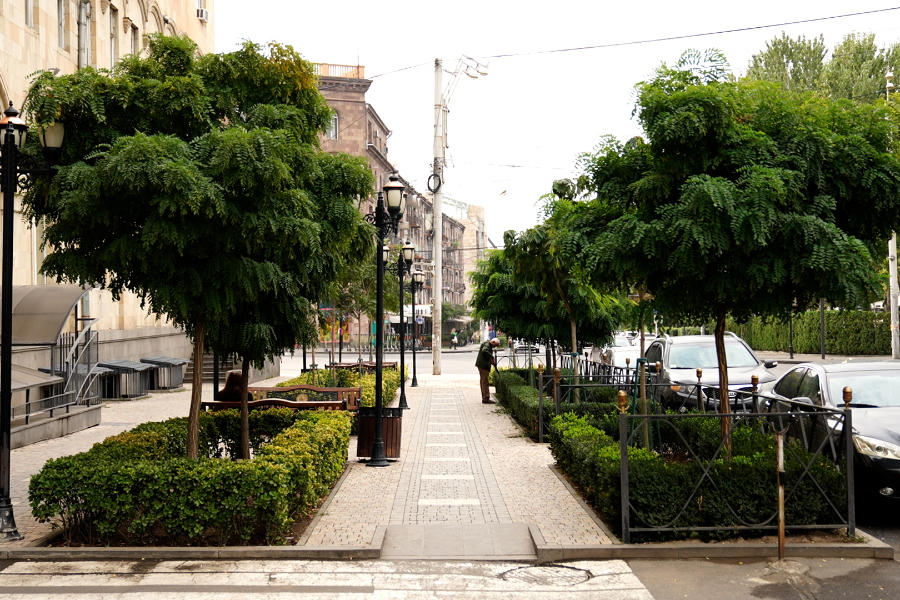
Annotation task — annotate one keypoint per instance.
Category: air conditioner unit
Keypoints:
(203, 14)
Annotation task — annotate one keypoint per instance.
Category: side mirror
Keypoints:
(771, 364)
(803, 400)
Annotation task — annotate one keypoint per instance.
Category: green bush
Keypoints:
(847, 332)
(742, 489)
(134, 488)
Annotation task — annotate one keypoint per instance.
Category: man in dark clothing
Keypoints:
(484, 361)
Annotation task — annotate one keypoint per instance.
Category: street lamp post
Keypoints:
(416, 281)
(385, 220)
(11, 171)
(403, 266)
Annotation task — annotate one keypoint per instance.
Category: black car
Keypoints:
(875, 404)
(681, 356)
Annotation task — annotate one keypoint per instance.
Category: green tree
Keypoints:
(746, 197)
(198, 184)
(796, 64)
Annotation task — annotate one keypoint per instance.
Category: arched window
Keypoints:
(332, 132)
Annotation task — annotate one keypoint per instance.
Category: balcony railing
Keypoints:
(346, 71)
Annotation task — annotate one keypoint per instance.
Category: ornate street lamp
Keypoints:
(417, 280)
(403, 266)
(385, 219)
(14, 169)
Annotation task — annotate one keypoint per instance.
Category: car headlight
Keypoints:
(874, 447)
(688, 390)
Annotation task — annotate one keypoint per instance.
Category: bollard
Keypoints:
(540, 370)
(754, 381)
(700, 404)
(556, 378)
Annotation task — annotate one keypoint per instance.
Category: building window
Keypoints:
(61, 22)
(113, 37)
(84, 33)
(29, 13)
(332, 132)
(135, 40)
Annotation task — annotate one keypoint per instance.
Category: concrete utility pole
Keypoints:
(472, 69)
(892, 261)
(435, 185)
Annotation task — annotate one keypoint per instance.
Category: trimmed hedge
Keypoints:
(849, 332)
(137, 489)
(390, 382)
(745, 487)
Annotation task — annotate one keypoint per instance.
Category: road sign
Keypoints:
(420, 319)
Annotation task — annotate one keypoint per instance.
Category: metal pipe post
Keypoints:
(401, 268)
(413, 288)
(822, 326)
(8, 530)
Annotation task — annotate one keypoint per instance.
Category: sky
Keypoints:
(516, 130)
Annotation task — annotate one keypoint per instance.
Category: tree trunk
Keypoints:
(724, 400)
(193, 433)
(245, 410)
(359, 336)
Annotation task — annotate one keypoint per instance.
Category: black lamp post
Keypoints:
(415, 284)
(385, 220)
(403, 266)
(12, 175)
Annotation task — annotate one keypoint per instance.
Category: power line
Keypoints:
(666, 39)
(695, 35)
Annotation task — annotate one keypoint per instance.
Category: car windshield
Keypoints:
(875, 388)
(704, 356)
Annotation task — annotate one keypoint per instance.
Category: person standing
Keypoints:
(484, 361)
(454, 342)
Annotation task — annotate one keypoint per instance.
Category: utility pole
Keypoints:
(435, 185)
(892, 261)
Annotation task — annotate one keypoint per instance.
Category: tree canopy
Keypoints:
(742, 197)
(198, 184)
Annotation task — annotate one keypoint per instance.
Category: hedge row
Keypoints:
(847, 332)
(390, 382)
(744, 488)
(137, 489)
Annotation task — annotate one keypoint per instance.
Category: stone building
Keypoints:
(66, 35)
(358, 130)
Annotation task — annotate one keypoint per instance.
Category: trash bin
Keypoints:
(169, 374)
(391, 427)
(131, 380)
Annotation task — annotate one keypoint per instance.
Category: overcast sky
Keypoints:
(515, 131)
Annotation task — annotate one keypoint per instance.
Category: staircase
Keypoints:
(208, 367)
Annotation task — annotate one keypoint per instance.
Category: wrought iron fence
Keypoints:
(816, 432)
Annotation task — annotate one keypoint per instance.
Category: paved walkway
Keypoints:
(468, 484)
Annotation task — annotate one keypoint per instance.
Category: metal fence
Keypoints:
(802, 423)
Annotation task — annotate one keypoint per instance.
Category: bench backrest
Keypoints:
(274, 402)
(349, 397)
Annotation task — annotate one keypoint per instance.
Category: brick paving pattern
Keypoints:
(462, 463)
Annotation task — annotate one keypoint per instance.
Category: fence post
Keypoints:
(700, 404)
(848, 453)
(556, 389)
(623, 449)
(754, 381)
(540, 370)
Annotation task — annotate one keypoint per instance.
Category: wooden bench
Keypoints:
(367, 366)
(297, 397)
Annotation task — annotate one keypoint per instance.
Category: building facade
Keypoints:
(66, 35)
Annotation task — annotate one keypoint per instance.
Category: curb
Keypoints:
(224, 553)
(872, 548)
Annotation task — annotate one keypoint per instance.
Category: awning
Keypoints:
(40, 312)
(24, 378)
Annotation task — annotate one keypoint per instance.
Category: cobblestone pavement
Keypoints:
(462, 462)
(116, 417)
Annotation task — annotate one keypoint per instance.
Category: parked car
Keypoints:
(522, 346)
(681, 356)
(876, 415)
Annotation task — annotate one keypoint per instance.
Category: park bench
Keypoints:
(297, 397)
(367, 366)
